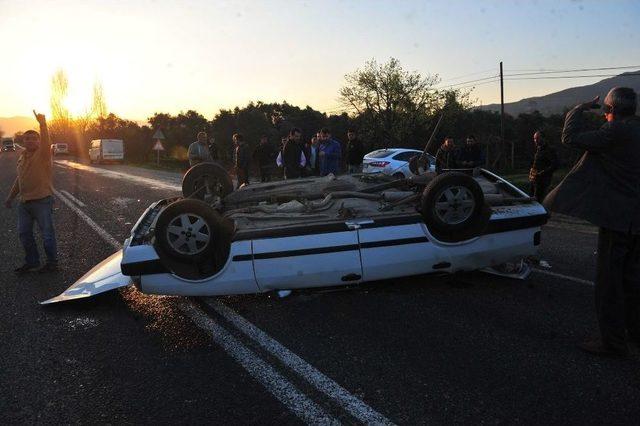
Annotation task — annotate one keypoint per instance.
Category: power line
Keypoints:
(467, 75)
(496, 80)
(570, 76)
(575, 70)
(467, 82)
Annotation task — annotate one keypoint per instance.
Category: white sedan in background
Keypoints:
(393, 162)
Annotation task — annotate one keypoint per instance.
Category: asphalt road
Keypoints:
(471, 348)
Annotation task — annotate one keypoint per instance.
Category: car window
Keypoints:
(405, 156)
(382, 153)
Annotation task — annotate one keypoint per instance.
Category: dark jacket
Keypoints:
(473, 154)
(242, 156)
(545, 162)
(213, 151)
(264, 155)
(446, 159)
(354, 152)
(291, 155)
(604, 186)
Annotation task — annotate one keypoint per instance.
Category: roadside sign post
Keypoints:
(157, 147)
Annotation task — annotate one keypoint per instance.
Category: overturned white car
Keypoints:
(316, 232)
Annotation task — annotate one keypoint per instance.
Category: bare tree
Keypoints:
(99, 103)
(59, 92)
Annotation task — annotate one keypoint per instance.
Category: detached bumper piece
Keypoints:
(103, 277)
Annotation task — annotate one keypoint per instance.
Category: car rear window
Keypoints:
(405, 156)
(382, 153)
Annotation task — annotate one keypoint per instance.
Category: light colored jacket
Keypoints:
(198, 153)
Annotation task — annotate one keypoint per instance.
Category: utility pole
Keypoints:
(502, 111)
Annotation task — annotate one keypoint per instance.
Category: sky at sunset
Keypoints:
(205, 55)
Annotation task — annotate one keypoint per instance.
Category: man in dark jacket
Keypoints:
(292, 155)
(447, 156)
(242, 159)
(355, 152)
(544, 164)
(472, 155)
(604, 189)
(264, 156)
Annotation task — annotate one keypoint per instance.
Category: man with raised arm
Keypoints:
(604, 189)
(34, 188)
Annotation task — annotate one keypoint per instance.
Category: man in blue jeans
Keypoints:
(34, 187)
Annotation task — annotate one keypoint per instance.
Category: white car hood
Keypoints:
(105, 276)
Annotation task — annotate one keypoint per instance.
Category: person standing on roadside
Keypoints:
(213, 149)
(263, 155)
(472, 155)
(242, 159)
(329, 153)
(545, 162)
(292, 158)
(34, 186)
(355, 152)
(447, 155)
(199, 150)
(311, 152)
(604, 189)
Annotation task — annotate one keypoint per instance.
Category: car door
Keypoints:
(399, 246)
(310, 256)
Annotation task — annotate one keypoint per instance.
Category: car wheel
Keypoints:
(453, 207)
(398, 175)
(207, 181)
(190, 230)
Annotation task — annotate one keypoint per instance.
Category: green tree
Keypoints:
(393, 105)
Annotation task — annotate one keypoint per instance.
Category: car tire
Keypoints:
(191, 231)
(453, 207)
(398, 175)
(206, 180)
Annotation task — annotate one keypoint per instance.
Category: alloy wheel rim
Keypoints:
(188, 234)
(454, 205)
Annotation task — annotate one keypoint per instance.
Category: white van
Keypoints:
(60, 148)
(102, 150)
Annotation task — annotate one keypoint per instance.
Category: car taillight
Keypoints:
(378, 163)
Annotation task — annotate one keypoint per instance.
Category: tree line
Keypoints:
(387, 106)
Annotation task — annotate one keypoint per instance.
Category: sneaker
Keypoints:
(597, 347)
(48, 267)
(26, 268)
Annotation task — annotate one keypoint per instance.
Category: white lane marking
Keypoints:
(283, 390)
(120, 175)
(279, 387)
(353, 405)
(104, 234)
(563, 276)
(72, 198)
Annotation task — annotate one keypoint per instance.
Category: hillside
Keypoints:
(11, 125)
(556, 103)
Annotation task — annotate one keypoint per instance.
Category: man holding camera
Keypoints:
(604, 189)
